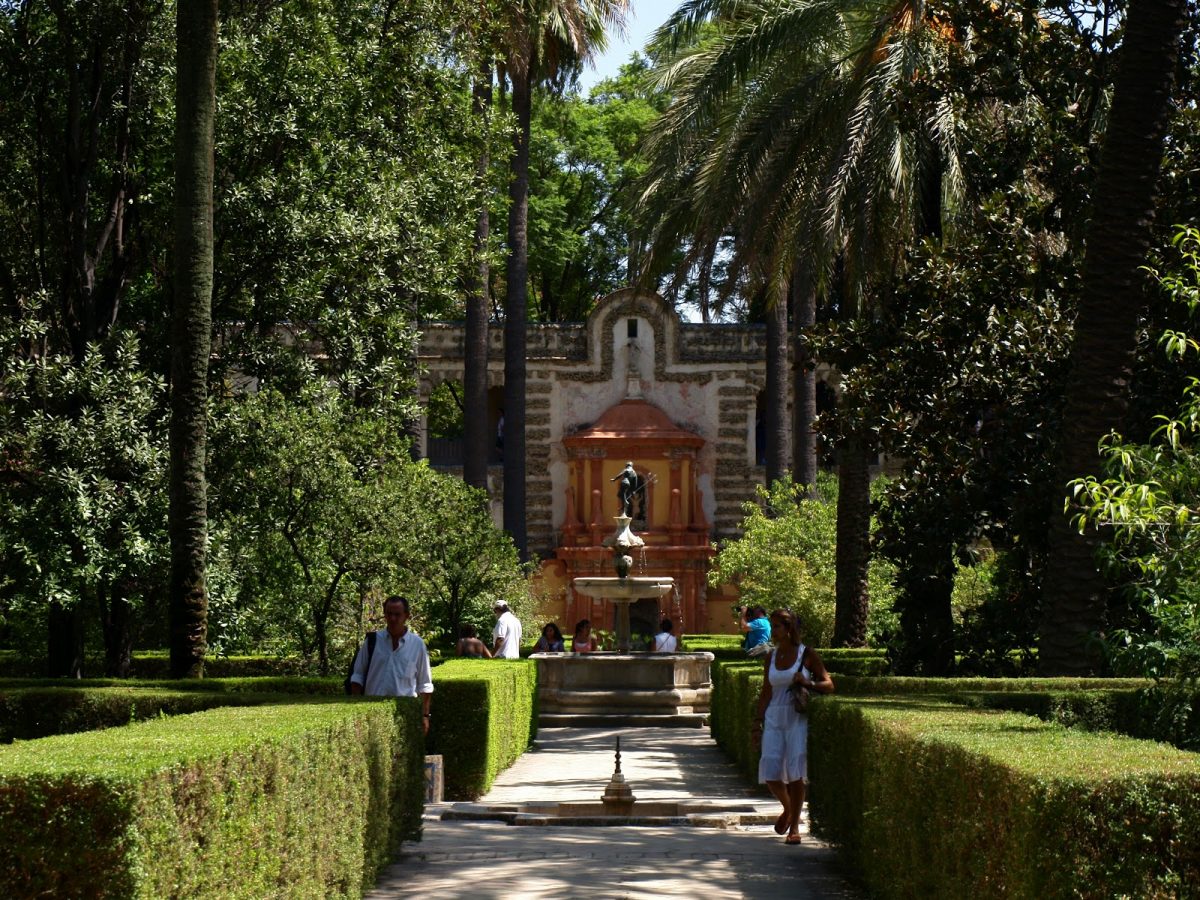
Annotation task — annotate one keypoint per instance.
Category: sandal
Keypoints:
(781, 824)
(793, 839)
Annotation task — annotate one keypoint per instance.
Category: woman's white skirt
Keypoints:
(784, 745)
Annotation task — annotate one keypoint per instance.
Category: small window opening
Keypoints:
(631, 325)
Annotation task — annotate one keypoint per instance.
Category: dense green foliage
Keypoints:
(83, 496)
(303, 798)
(1147, 502)
(344, 213)
(485, 715)
(583, 163)
(785, 558)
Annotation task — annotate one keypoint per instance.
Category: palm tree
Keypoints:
(787, 129)
(546, 41)
(1112, 299)
(191, 317)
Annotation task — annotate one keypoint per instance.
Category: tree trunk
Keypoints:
(853, 556)
(516, 287)
(65, 645)
(1111, 300)
(776, 412)
(804, 373)
(704, 283)
(926, 585)
(117, 626)
(476, 434)
(195, 106)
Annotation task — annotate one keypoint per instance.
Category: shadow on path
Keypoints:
(490, 860)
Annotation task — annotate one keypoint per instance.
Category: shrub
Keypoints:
(935, 800)
(484, 716)
(786, 557)
(299, 799)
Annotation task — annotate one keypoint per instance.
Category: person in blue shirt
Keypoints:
(758, 630)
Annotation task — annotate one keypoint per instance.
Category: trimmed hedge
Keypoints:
(864, 685)
(37, 712)
(157, 664)
(484, 717)
(931, 799)
(1163, 712)
(302, 799)
(734, 701)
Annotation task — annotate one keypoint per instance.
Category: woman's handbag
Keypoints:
(799, 699)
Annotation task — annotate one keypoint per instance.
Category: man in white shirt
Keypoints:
(399, 666)
(665, 641)
(506, 636)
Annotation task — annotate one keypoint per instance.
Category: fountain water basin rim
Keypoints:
(632, 587)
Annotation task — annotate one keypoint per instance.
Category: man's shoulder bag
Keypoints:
(371, 638)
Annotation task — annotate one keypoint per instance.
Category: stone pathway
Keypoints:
(490, 860)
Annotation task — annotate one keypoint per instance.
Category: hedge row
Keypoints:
(1163, 712)
(156, 664)
(484, 717)
(297, 799)
(735, 695)
(859, 685)
(931, 799)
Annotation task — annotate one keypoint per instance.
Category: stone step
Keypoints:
(622, 720)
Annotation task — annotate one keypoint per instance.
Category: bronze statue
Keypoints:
(632, 485)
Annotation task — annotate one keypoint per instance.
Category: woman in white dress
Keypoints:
(779, 729)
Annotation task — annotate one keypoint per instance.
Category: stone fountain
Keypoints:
(624, 687)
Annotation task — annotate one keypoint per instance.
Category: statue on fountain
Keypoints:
(632, 487)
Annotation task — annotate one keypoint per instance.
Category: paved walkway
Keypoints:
(491, 860)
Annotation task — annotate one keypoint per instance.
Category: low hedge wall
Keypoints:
(157, 664)
(37, 712)
(931, 799)
(735, 695)
(484, 717)
(1163, 712)
(297, 799)
(860, 685)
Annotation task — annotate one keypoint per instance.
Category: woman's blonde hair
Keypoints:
(789, 621)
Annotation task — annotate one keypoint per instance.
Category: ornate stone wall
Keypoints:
(706, 378)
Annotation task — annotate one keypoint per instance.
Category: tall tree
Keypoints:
(191, 326)
(476, 437)
(804, 385)
(546, 41)
(1111, 301)
(804, 128)
(777, 390)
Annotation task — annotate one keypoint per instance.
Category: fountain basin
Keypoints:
(597, 689)
(696, 813)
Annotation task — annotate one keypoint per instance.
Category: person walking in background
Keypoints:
(583, 641)
(506, 636)
(781, 723)
(396, 663)
(665, 641)
(469, 643)
(758, 631)
(551, 640)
